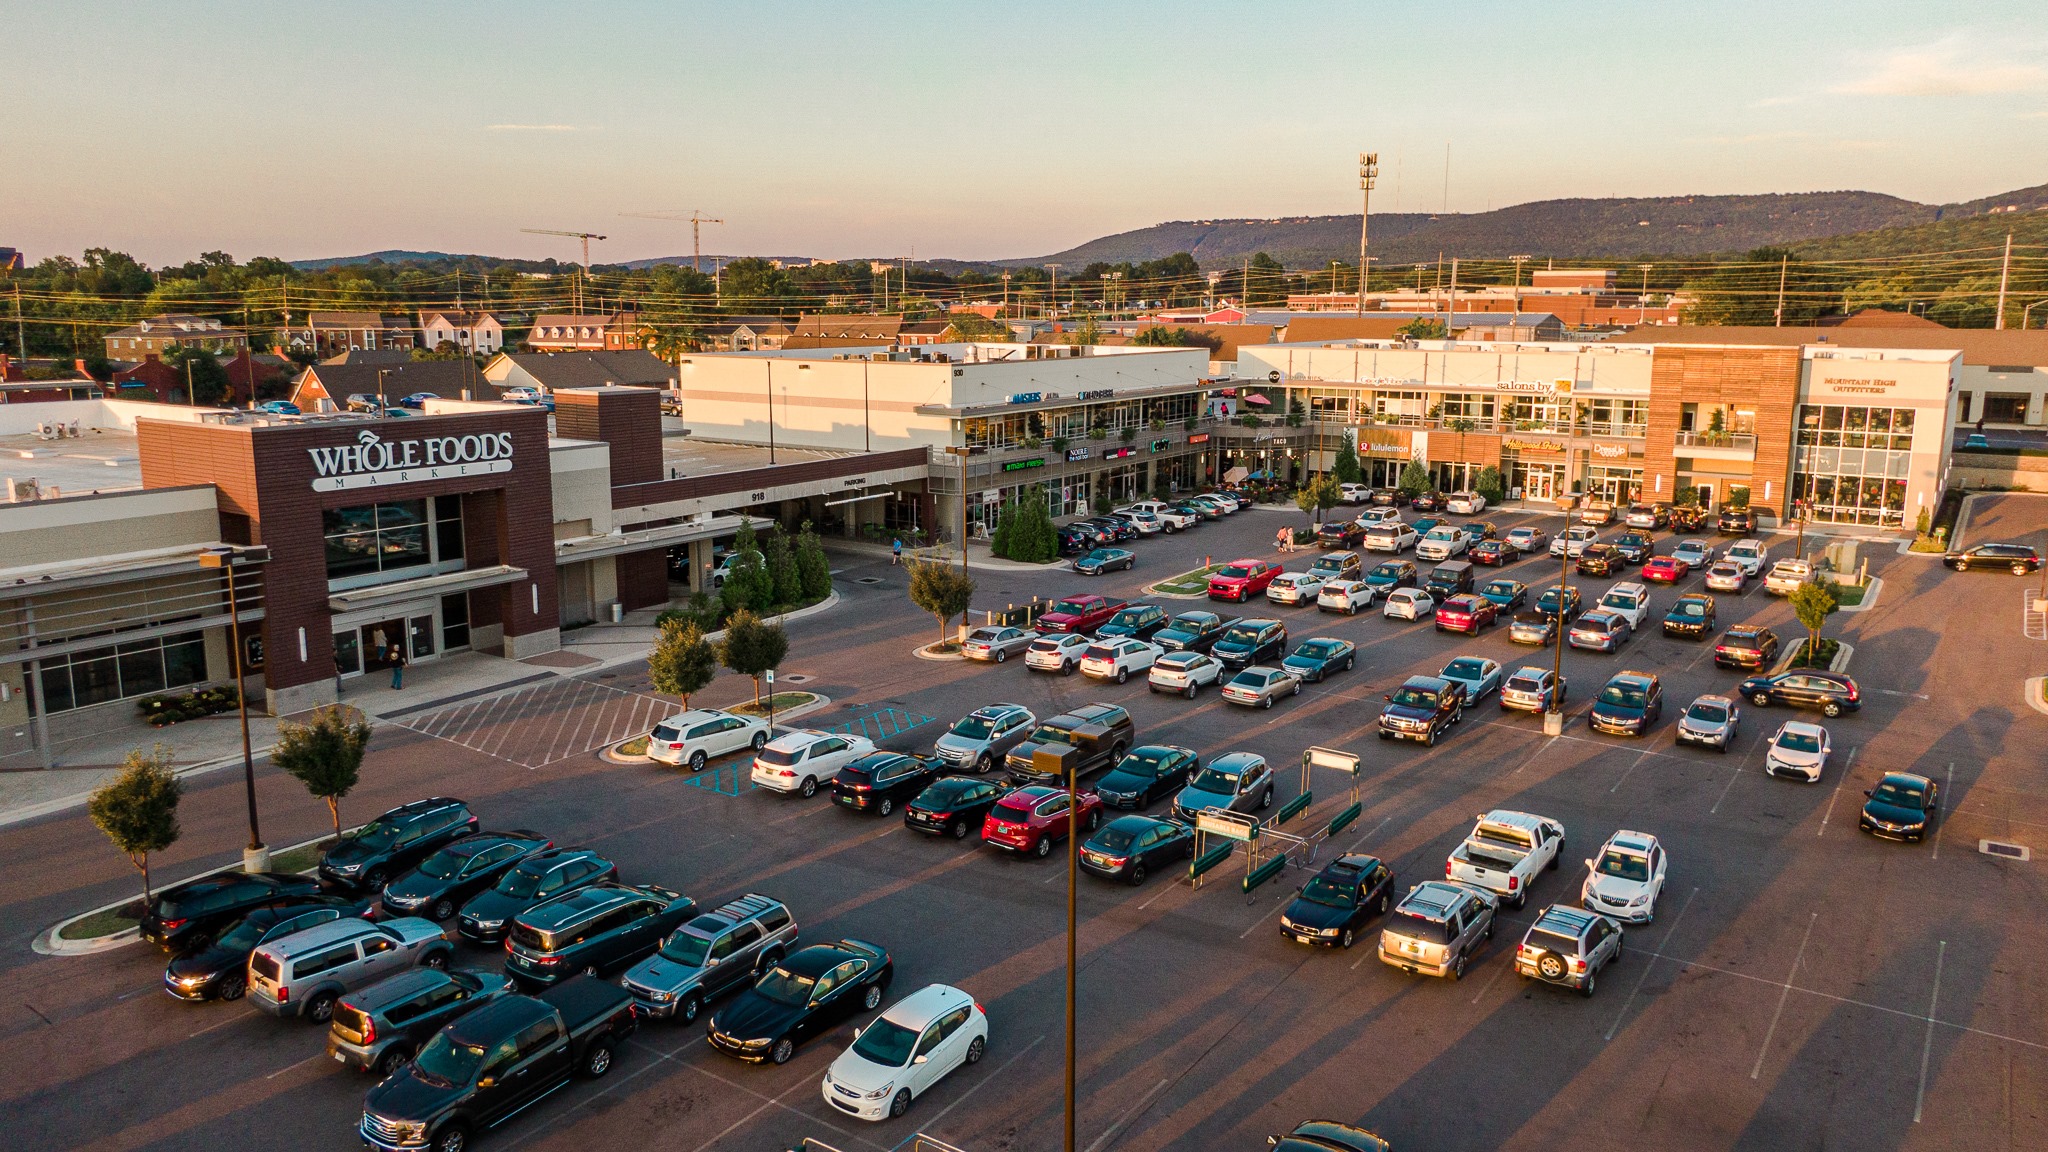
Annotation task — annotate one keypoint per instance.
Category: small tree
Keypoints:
(813, 570)
(1687, 496)
(326, 755)
(1345, 467)
(1102, 501)
(1922, 525)
(1813, 602)
(1297, 412)
(782, 573)
(747, 582)
(1738, 496)
(942, 590)
(682, 662)
(1317, 495)
(1414, 479)
(752, 647)
(138, 809)
(1490, 485)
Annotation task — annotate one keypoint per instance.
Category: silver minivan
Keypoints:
(303, 974)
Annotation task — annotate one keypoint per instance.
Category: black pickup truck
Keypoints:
(495, 1062)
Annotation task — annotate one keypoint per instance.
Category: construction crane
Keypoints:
(695, 219)
(586, 237)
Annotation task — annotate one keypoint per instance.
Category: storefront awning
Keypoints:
(659, 536)
(445, 584)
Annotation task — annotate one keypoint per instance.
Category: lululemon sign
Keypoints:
(374, 462)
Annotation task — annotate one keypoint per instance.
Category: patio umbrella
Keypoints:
(1236, 474)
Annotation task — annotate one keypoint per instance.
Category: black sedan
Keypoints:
(1829, 693)
(542, 876)
(1129, 847)
(186, 916)
(807, 994)
(1334, 906)
(953, 806)
(1146, 774)
(218, 971)
(1902, 807)
(445, 881)
(880, 781)
(1492, 553)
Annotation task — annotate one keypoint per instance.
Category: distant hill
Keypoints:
(1581, 228)
(388, 256)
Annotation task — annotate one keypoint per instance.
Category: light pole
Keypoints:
(255, 857)
(1368, 175)
(1553, 720)
(2029, 311)
(1519, 261)
(1073, 899)
(770, 361)
(1052, 296)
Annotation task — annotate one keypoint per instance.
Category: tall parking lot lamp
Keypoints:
(1055, 761)
(256, 857)
(1553, 720)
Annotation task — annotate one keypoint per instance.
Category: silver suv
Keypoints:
(1437, 927)
(715, 952)
(1568, 946)
(303, 974)
(984, 736)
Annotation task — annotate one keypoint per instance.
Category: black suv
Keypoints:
(2019, 559)
(1336, 903)
(1735, 522)
(1101, 731)
(367, 858)
(1746, 646)
(541, 876)
(1829, 693)
(219, 970)
(600, 929)
(1249, 642)
(1635, 547)
(953, 806)
(1691, 615)
(188, 916)
(879, 781)
(446, 880)
(1421, 709)
(1147, 774)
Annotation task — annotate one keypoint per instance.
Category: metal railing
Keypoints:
(1738, 440)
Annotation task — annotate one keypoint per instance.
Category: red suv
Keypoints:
(1030, 820)
(1240, 580)
(1466, 613)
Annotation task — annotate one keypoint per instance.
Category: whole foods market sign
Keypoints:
(374, 462)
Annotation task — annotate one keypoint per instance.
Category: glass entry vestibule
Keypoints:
(371, 640)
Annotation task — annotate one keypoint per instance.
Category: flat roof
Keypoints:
(689, 456)
(98, 460)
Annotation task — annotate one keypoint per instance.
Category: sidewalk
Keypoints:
(978, 555)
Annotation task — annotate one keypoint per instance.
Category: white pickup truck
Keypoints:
(1630, 599)
(1504, 852)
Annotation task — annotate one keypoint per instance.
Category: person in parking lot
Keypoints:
(1284, 539)
(896, 553)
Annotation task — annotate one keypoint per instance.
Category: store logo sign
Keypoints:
(1533, 445)
(374, 462)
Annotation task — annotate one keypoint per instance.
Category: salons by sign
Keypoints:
(374, 462)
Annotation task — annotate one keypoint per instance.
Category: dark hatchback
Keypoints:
(600, 929)
(445, 881)
(881, 781)
(1391, 574)
(1829, 693)
(219, 971)
(953, 806)
(1129, 848)
(1903, 806)
(1601, 560)
(189, 915)
(1335, 904)
(366, 859)
(380, 1027)
(1629, 705)
(810, 992)
(1145, 775)
(1746, 646)
(1691, 615)
(542, 876)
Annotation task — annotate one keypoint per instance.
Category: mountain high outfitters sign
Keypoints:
(374, 462)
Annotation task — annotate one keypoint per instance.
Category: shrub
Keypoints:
(1346, 467)
(814, 571)
(747, 583)
(1490, 485)
(1414, 479)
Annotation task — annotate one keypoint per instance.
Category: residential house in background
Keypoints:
(551, 371)
(594, 332)
(923, 332)
(745, 334)
(326, 333)
(335, 383)
(836, 331)
(157, 335)
(477, 333)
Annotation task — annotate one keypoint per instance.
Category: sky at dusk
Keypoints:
(967, 131)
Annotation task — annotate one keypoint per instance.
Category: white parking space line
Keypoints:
(299, 1064)
(1647, 753)
(995, 1075)
(1649, 962)
(235, 1019)
(1129, 1113)
(1927, 1045)
(1492, 980)
(1837, 793)
(1947, 789)
(1784, 995)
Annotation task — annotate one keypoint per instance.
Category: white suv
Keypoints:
(1628, 599)
(802, 760)
(1465, 503)
(695, 736)
(1443, 543)
(1752, 555)
(1117, 659)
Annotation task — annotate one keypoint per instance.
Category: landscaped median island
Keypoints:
(785, 705)
(1186, 584)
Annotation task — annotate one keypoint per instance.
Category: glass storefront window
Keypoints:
(121, 671)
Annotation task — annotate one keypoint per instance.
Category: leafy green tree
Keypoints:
(1297, 412)
(1101, 504)
(1346, 467)
(1422, 329)
(209, 381)
(782, 571)
(814, 571)
(1687, 496)
(1745, 290)
(752, 647)
(1025, 531)
(1414, 479)
(748, 583)
(974, 327)
(325, 754)
(1490, 485)
(942, 590)
(1738, 496)
(138, 809)
(1317, 495)
(682, 662)
(1813, 602)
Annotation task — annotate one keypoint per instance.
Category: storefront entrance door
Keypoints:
(377, 641)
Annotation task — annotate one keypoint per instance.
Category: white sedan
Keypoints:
(1573, 540)
(1465, 503)
(1295, 588)
(1624, 881)
(1409, 604)
(1117, 659)
(801, 760)
(906, 1051)
(1184, 672)
(1799, 750)
(1346, 596)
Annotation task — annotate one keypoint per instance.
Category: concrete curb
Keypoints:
(47, 942)
(610, 754)
(924, 653)
(2033, 694)
(1869, 597)
(1843, 651)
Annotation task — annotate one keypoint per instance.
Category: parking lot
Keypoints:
(1803, 985)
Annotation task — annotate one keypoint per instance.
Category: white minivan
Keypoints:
(907, 1050)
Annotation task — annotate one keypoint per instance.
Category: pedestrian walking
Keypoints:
(896, 553)
(1285, 539)
(398, 665)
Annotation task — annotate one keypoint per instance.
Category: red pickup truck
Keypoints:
(1080, 614)
(1240, 580)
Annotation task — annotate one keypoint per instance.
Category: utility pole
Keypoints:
(1778, 315)
(1006, 295)
(586, 237)
(20, 331)
(1451, 301)
(1519, 261)
(1643, 301)
(1368, 175)
(1053, 296)
(2006, 275)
